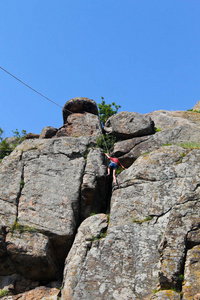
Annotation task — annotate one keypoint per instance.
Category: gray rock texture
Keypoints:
(42, 184)
(175, 128)
(80, 124)
(148, 244)
(79, 105)
(126, 125)
(48, 132)
(153, 208)
(89, 231)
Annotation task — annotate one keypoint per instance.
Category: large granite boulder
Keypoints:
(153, 209)
(42, 183)
(126, 125)
(79, 105)
(80, 118)
(173, 128)
(80, 124)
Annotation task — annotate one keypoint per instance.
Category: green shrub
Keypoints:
(3, 293)
(107, 110)
(106, 142)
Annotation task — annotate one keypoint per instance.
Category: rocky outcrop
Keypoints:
(153, 209)
(89, 231)
(42, 186)
(148, 247)
(172, 128)
(80, 118)
(126, 125)
(79, 105)
(80, 124)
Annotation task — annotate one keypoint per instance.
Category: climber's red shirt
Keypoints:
(116, 161)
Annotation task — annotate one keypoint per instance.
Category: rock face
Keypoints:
(148, 247)
(80, 124)
(127, 125)
(42, 184)
(174, 128)
(79, 105)
(152, 211)
(80, 118)
(48, 132)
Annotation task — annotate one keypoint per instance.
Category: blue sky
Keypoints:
(140, 54)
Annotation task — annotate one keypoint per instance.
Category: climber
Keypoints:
(115, 163)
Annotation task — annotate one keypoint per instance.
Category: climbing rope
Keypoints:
(50, 100)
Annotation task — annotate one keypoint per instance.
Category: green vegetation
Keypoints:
(104, 140)
(157, 129)
(3, 293)
(93, 214)
(181, 277)
(148, 218)
(107, 110)
(194, 110)
(190, 145)
(5, 148)
(21, 228)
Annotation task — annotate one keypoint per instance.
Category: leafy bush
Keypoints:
(107, 110)
(106, 140)
(5, 148)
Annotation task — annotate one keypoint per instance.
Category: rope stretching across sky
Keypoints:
(44, 97)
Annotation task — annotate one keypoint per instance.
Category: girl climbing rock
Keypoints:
(114, 164)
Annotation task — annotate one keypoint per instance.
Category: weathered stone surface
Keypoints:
(79, 105)
(16, 283)
(166, 295)
(48, 132)
(32, 254)
(153, 208)
(80, 124)
(129, 150)
(31, 136)
(164, 119)
(126, 125)
(39, 293)
(191, 284)
(10, 180)
(94, 189)
(89, 230)
(40, 187)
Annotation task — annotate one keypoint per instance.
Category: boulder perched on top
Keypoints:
(79, 105)
(126, 125)
(80, 118)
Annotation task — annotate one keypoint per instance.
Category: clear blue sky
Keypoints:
(141, 54)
